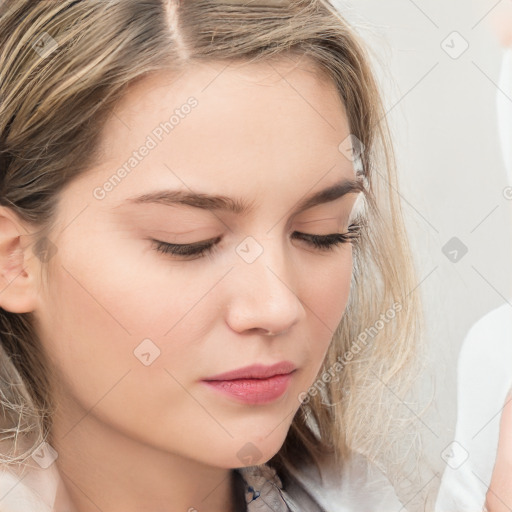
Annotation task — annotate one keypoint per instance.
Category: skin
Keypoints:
(132, 437)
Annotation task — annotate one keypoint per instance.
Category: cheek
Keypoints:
(325, 294)
(327, 288)
(106, 316)
(96, 318)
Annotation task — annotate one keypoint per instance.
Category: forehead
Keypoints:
(279, 100)
(255, 129)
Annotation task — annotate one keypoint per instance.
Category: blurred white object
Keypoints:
(484, 370)
(484, 378)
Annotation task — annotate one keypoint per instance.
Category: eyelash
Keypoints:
(320, 242)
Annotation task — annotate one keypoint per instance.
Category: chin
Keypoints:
(248, 452)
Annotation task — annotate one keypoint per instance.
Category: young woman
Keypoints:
(207, 296)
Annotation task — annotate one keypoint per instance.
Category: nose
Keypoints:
(263, 293)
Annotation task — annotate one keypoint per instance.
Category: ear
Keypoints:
(19, 268)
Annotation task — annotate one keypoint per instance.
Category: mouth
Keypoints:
(253, 391)
(255, 384)
(256, 371)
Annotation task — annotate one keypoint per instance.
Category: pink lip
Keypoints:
(256, 371)
(256, 384)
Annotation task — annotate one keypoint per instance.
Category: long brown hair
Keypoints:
(65, 64)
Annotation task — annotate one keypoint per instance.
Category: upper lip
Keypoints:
(256, 371)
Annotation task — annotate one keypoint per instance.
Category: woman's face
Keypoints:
(133, 331)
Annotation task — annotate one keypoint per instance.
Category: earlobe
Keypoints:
(18, 283)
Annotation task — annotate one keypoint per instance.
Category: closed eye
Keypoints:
(207, 247)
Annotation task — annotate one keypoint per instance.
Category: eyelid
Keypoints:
(196, 233)
(192, 245)
(322, 243)
(332, 224)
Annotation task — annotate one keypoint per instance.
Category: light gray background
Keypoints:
(443, 118)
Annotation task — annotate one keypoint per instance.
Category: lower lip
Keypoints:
(253, 391)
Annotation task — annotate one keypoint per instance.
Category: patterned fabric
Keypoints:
(264, 490)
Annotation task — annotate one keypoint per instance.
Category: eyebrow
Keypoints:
(239, 206)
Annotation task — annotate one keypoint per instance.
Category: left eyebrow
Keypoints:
(238, 206)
